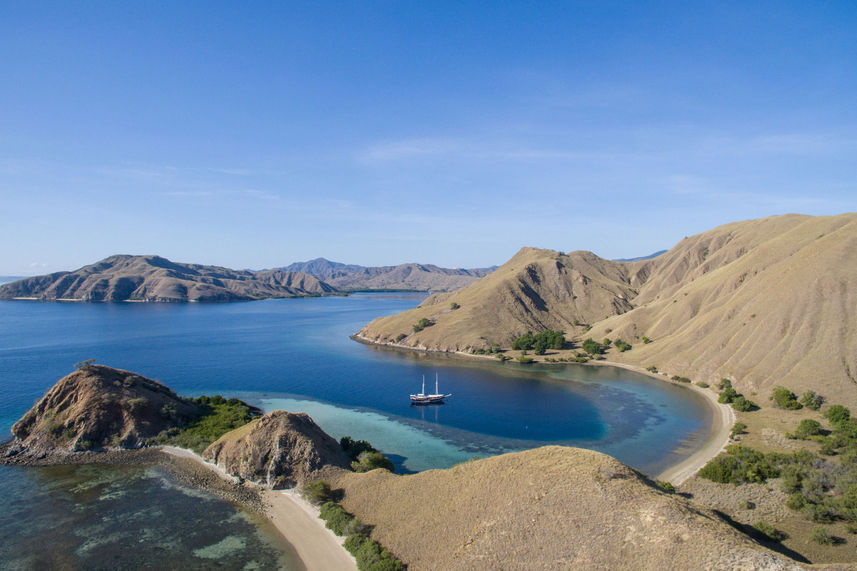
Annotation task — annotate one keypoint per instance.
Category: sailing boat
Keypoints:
(423, 398)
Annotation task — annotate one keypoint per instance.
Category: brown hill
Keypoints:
(416, 277)
(547, 508)
(764, 302)
(278, 450)
(99, 407)
(152, 278)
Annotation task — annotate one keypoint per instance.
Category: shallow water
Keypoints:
(120, 517)
(296, 354)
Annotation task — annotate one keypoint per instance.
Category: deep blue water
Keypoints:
(296, 354)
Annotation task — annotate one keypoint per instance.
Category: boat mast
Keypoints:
(424, 385)
(435, 385)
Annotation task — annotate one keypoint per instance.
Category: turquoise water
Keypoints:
(296, 354)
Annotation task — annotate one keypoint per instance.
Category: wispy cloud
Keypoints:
(780, 144)
(471, 149)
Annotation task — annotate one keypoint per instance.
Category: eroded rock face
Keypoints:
(278, 450)
(99, 407)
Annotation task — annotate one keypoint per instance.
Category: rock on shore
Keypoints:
(278, 450)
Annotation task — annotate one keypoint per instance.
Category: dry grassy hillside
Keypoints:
(535, 290)
(765, 302)
(548, 508)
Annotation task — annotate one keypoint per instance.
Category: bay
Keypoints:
(296, 354)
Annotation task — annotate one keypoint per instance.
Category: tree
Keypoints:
(422, 324)
(811, 400)
(621, 345)
(84, 364)
(807, 428)
(727, 396)
(367, 461)
(784, 398)
(742, 404)
(591, 346)
(837, 414)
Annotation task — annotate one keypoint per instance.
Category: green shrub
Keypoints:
(370, 555)
(784, 398)
(680, 379)
(851, 528)
(807, 428)
(540, 342)
(837, 414)
(721, 470)
(741, 465)
(218, 416)
(592, 346)
(770, 531)
(742, 404)
(622, 346)
(665, 486)
(495, 348)
(525, 360)
(453, 306)
(646, 340)
(702, 385)
(652, 369)
(83, 444)
(368, 461)
(822, 536)
(727, 395)
(422, 324)
(827, 446)
(137, 404)
(355, 447)
(400, 336)
(738, 428)
(796, 501)
(318, 492)
(340, 521)
(811, 400)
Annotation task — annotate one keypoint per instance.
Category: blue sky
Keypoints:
(256, 135)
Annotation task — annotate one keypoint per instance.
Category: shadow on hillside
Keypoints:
(761, 538)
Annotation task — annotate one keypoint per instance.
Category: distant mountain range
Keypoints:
(649, 257)
(153, 278)
(762, 302)
(157, 279)
(412, 277)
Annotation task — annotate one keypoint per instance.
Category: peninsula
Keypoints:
(157, 279)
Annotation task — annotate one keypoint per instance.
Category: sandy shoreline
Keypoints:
(718, 437)
(295, 518)
(723, 417)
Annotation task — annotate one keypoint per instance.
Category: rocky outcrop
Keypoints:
(156, 279)
(278, 450)
(98, 407)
